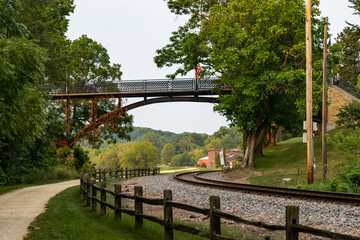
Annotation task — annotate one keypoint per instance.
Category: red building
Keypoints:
(210, 159)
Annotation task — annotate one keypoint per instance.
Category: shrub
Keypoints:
(349, 115)
(203, 165)
(353, 177)
(348, 172)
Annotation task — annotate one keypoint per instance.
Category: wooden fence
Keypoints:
(90, 190)
(102, 174)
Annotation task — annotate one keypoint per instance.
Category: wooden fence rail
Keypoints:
(90, 189)
(103, 174)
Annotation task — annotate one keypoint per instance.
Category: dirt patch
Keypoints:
(278, 150)
(240, 175)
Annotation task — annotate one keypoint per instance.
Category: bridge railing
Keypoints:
(139, 86)
(346, 86)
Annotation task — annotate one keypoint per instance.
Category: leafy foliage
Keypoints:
(349, 39)
(89, 64)
(256, 51)
(348, 173)
(141, 154)
(194, 145)
(167, 153)
(182, 159)
(47, 22)
(349, 115)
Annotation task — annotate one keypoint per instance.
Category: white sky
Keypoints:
(132, 30)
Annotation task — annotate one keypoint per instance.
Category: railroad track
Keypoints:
(195, 178)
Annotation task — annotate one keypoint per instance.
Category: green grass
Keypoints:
(285, 159)
(67, 218)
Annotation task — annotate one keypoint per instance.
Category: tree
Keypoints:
(22, 110)
(349, 39)
(155, 139)
(349, 115)
(90, 64)
(356, 6)
(141, 154)
(167, 153)
(182, 160)
(254, 50)
(47, 22)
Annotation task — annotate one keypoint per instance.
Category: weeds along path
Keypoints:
(20, 207)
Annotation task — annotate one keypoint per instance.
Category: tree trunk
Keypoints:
(252, 149)
(250, 145)
(260, 137)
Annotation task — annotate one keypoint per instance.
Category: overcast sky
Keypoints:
(132, 30)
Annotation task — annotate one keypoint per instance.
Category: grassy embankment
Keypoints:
(286, 158)
(67, 218)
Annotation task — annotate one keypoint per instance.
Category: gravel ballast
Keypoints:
(334, 217)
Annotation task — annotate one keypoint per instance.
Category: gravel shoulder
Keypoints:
(20, 207)
(268, 209)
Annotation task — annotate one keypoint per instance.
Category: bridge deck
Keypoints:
(144, 88)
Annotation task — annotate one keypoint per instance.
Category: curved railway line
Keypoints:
(195, 178)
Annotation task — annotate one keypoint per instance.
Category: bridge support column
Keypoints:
(93, 117)
(68, 118)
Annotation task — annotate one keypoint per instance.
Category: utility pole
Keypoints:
(309, 119)
(324, 119)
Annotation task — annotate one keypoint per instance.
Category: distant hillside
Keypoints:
(170, 137)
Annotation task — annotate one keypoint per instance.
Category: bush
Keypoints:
(54, 174)
(354, 177)
(203, 165)
(348, 173)
(349, 115)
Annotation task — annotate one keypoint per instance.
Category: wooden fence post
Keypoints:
(121, 173)
(215, 226)
(138, 192)
(93, 194)
(104, 174)
(82, 181)
(84, 186)
(292, 217)
(103, 198)
(117, 201)
(168, 216)
(148, 173)
(99, 174)
(116, 173)
(126, 173)
(88, 188)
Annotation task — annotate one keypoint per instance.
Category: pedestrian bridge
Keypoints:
(141, 88)
(152, 91)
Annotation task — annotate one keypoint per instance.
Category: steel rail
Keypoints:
(268, 190)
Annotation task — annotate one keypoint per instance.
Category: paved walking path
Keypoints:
(20, 207)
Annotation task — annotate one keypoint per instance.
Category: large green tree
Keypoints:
(47, 21)
(349, 39)
(254, 50)
(22, 110)
(90, 64)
